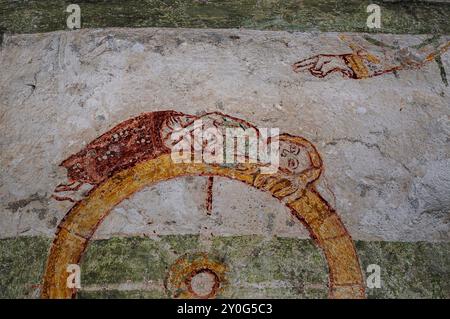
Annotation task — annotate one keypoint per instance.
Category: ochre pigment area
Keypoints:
(82, 220)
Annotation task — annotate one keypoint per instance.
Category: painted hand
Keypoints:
(323, 64)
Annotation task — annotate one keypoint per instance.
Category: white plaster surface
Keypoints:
(385, 141)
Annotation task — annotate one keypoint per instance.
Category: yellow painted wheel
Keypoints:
(80, 223)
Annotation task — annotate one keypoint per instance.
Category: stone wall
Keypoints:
(381, 129)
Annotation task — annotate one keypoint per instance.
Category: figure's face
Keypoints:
(293, 158)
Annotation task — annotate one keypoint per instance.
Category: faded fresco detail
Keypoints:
(87, 175)
(136, 153)
(361, 63)
(181, 279)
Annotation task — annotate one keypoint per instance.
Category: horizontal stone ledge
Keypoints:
(413, 17)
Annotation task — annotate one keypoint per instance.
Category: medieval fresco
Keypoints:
(362, 63)
(136, 152)
(103, 170)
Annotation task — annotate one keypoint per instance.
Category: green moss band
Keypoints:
(275, 267)
(415, 17)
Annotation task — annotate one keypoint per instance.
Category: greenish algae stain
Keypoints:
(118, 294)
(132, 259)
(258, 266)
(22, 262)
(292, 15)
(408, 270)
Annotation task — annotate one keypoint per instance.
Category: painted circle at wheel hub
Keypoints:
(197, 276)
